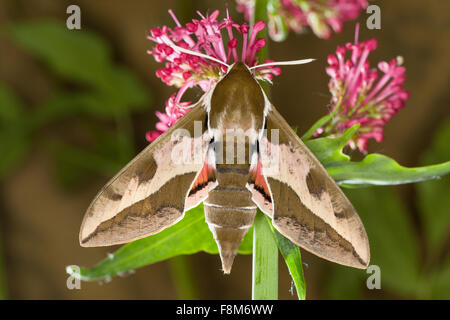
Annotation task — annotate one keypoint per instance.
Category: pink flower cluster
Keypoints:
(322, 16)
(361, 95)
(174, 111)
(209, 36)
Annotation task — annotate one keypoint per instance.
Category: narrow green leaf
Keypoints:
(374, 169)
(377, 169)
(319, 123)
(265, 261)
(329, 151)
(293, 259)
(190, 235)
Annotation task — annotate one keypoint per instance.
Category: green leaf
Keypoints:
(319, 123)
(329, 151)
(293, 259)
(84, 58)
(377, 169)
(190, 235)
(106, 153)
(433, 196)
(63, 105)
(80, 56)
(127, 90)
(374, 169)
(393, 245)
(75, 164)
(11, 108)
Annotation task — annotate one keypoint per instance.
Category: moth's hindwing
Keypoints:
(151, 192)
(309, 208)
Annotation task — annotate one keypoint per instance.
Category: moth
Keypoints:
(196, 161)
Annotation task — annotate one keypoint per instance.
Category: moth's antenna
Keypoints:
(198, 54)
(283, 63)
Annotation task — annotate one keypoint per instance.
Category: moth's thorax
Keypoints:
(237, 101)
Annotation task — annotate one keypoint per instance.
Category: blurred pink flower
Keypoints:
(208, 36)
(361, 95)
(322, 16)
(246, 7)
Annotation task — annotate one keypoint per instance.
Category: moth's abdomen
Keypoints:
(229, 211)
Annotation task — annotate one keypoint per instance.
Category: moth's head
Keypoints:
(239, 70)
(239, 67)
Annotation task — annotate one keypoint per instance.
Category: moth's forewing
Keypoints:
(309, 208)
(151, 192)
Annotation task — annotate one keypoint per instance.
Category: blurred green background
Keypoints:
(75, 106)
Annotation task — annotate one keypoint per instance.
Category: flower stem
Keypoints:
(261, 14)
(265, 250)
(265, 261)
(183, 277)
